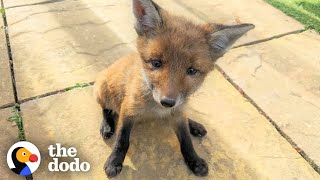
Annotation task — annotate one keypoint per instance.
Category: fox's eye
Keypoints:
(156, 63)
(24, 154)
(191, 71)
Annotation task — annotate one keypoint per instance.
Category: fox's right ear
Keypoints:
(225, 36)
(147, 16)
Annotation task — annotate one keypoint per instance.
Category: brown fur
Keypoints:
(180, 44)
(133, 88)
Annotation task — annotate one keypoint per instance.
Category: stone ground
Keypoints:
(268, 89)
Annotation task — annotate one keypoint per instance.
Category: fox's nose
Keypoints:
(167, 102)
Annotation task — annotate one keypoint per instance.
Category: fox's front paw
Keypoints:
(198, 166)
(197, 129)
(106, 131)
(112, 168)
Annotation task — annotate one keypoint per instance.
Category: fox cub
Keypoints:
(174, 56)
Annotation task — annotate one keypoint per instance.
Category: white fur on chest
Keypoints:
(157, 112)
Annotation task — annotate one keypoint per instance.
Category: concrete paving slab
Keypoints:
(241, 144)
(268, 20)
(9, 136)
(283, 77)
(6, 92)
(60, 44)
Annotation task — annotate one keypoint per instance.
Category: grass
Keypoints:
(305, 11)
(3, 11)
(17, 118)
(78, 85)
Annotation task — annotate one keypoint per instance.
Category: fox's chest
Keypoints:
(155, 111)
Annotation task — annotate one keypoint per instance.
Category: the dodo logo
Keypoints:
(23, 158)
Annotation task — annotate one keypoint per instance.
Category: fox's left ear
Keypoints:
(225, 36)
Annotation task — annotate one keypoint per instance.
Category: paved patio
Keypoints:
(56, 44)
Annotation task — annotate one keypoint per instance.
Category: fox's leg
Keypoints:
(113, 166)
(108, 123)
(196, 164)
(196, 128)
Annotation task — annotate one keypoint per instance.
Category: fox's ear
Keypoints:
(147, 16)
(225, 36)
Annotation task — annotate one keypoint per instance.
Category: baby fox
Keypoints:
(174, 56)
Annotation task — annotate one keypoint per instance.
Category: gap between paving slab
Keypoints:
(9, 52)
(11, 63)
(19, 124)
(269, 39)
(6, 92)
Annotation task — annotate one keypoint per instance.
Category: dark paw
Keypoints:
(106, 131)
(112, 169)
(199, 167)
(197, 129)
